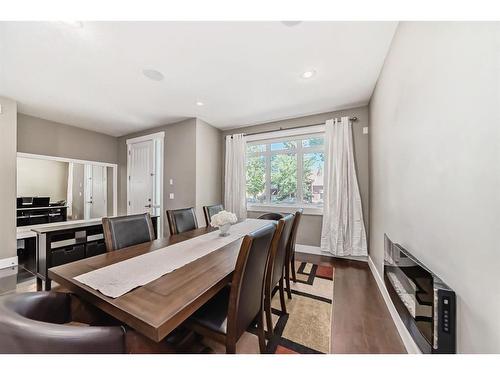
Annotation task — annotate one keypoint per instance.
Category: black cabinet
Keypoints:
(61, 244)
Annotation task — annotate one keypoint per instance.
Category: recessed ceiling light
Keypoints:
(200, 104)
(308, 74)
(152, 74)
(77, 24)
(291, 23)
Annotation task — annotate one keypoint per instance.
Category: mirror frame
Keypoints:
(70, 160)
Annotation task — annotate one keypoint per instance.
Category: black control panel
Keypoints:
(446, 322)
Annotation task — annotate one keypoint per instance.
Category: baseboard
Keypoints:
(8, 262)
(316, 250)
(408, 342)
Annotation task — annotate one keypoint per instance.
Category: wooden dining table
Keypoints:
(157, 308)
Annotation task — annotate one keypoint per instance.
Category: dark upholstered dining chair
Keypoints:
(290, 257)
(124, 231)
(181, 220)
(36, 323)
(271, 216)
(210, 211)
(236, 307)
(275, 271)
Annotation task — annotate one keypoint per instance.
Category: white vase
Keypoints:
(224, 230)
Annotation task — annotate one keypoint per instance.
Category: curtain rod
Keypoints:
(295, 127)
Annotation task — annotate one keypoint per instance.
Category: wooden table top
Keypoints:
(159, 307)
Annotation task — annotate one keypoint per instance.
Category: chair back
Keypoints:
(33, 323)
(181, 220)
(293, 234)
(271, 216)
(124, 231)
(210, 211)
(277, 256)
(247, 287)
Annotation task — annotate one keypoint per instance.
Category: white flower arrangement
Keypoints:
(222, 218)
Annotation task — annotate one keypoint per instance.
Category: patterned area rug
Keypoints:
(306, 328)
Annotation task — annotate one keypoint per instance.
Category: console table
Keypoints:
(61, 244)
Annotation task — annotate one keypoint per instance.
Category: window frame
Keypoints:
(299, 151)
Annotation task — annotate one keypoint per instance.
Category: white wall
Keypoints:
(8, 129)
(435, 164)
(43, 178)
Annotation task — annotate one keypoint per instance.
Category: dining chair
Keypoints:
(275, 271)
(290, 257)
(124, 231)
(271, 216)
(210, 211)
(239, 305)
(181, 220)
(41, 323)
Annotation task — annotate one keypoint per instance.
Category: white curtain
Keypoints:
(235, 176)
(343, 231)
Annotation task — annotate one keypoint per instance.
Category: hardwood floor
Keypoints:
(361, 321)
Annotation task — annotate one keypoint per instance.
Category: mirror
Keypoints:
(52, 189)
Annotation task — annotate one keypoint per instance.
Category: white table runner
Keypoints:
(119, 278)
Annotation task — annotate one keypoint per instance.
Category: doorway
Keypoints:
(145, 176)
(95, 191)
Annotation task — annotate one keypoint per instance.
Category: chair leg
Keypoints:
(282, 296)
(230, 347)
(261, 334)
(287, 281)
(269, 320)
(294, 277)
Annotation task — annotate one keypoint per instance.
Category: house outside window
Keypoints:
(286, 172)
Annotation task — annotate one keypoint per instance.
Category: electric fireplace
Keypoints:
(424, 302)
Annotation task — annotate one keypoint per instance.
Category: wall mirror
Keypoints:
(52, 189)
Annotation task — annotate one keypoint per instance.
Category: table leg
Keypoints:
(38, 284)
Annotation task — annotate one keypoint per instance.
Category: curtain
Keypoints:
(235, 176)
(343, 230)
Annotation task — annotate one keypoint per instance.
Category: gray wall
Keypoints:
(179, 165)
(45, 178)
(310, 227)
(208, 167)
(435, 164)
(8, 120)
(38, 136)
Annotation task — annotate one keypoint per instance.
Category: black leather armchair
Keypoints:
(35, 323)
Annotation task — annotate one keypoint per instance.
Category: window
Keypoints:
(286, 171)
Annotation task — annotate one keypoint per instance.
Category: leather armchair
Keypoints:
(35, 323)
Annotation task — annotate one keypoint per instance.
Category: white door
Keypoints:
(141, 169)
(96, 191)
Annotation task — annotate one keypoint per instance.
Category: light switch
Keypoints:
(171, 195)
(171, 181)
(365, 130)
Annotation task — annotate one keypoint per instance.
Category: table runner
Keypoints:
(117, 279)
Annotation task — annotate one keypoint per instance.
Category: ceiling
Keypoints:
(244, 72)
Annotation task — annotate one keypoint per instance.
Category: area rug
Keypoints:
(306, 328)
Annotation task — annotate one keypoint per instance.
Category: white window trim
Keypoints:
(280, 136)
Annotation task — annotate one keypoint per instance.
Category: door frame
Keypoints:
(158, 140)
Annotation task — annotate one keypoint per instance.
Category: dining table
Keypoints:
(157, 308)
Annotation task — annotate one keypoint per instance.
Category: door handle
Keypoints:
(148, 206)
(89, 202)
